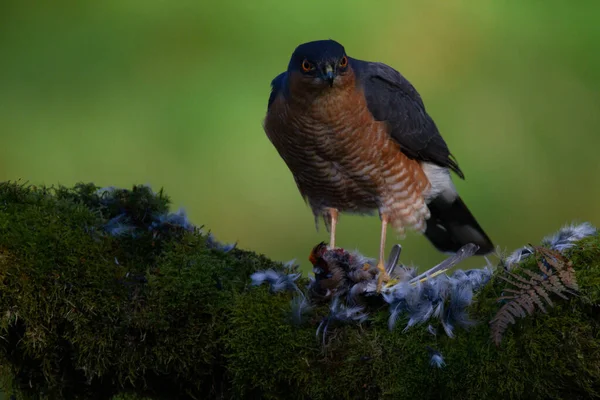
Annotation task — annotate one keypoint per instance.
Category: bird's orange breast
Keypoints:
(342, 158)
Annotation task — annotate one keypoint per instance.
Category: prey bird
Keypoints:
(357, 139)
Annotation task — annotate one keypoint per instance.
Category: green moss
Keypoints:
(158, 313)
(89, 313)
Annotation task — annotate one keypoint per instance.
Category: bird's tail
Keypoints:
(452, 226)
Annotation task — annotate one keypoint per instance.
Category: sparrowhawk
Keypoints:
(357, 139)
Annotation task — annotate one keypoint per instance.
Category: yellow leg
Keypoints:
(333, 213)
(383, 275)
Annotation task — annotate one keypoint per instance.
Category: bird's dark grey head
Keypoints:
(320, 61)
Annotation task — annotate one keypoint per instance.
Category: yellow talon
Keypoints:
(391, 282)
(382, 277)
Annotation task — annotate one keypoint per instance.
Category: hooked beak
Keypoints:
(329, 74)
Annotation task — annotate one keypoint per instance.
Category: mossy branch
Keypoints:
(105, 293)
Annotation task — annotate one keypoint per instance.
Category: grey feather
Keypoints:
(212, 243)
(431, 330)
(339, 312)
(562, 240)
(393, 99)
(568, 235)
(436, 358)
(300, 307)
(277, 280)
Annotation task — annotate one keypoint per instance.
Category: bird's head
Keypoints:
(320, 64)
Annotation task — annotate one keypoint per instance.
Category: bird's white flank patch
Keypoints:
(441, 182)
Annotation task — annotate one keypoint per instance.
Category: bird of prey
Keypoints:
(357, 139)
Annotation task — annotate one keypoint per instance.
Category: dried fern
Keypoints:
(556, 276)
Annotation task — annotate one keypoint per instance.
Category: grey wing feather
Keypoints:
(391, 98)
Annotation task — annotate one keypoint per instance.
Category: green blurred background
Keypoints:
(173, 94)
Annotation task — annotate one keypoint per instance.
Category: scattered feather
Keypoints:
(359, 289)
(345, 279)
(396, 297)
(291, 266)
(119, 226)
(212, 243)
(134, 221)
(478, 278)
(456, 314)
(108, 190)
(569, 234)
(177, 219)
(300, 307)
(431, 330)
(436, 358)
(340, 313)
(409, 272)
(562, 240)
(278, 281)
(442, 297)
(517, 256)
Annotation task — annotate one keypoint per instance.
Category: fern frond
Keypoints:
(535, 297)
(568, 279)
(562, 266)
(509, 290)
(540, 291)
(519, 278)
(552, 257)
(534, 275)
(526, 303)
(555, 276)
(517, 284)
(516, 308)
(556, 286)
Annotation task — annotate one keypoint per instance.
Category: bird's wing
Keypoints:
(391, 98)
(277, 86)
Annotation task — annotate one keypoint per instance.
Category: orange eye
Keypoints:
(344, 62)
(306, 66)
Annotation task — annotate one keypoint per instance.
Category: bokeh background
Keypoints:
(173, 94)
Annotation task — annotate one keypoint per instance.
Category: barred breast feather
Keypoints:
(342, 158)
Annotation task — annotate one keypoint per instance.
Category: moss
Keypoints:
(106, 294)
(89, 313)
